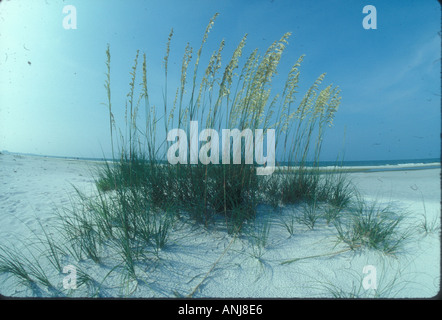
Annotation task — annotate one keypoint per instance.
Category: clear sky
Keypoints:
(52, 78)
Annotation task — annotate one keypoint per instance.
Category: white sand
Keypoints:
(31, 188)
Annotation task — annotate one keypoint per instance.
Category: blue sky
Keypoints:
(51, 79)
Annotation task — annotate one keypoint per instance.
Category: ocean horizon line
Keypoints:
(324, 163)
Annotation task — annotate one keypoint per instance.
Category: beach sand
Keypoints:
(208, 262)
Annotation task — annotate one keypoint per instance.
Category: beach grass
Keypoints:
(426, 224)
(26, 267)
(385, 289)
(232, 190)
(429, 226)
(371, 225)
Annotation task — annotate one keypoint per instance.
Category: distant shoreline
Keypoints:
(325, 166)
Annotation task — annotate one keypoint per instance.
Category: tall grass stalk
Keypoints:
(259, 238)
(26, 267)
(426, 225)
(310, 213)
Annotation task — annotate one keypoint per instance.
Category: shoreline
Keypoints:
(404, 165)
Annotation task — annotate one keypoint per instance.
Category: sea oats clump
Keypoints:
(224, 99)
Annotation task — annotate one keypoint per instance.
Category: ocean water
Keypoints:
(389, 165)
(370, 163)
(381, 165)
(366, 165)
